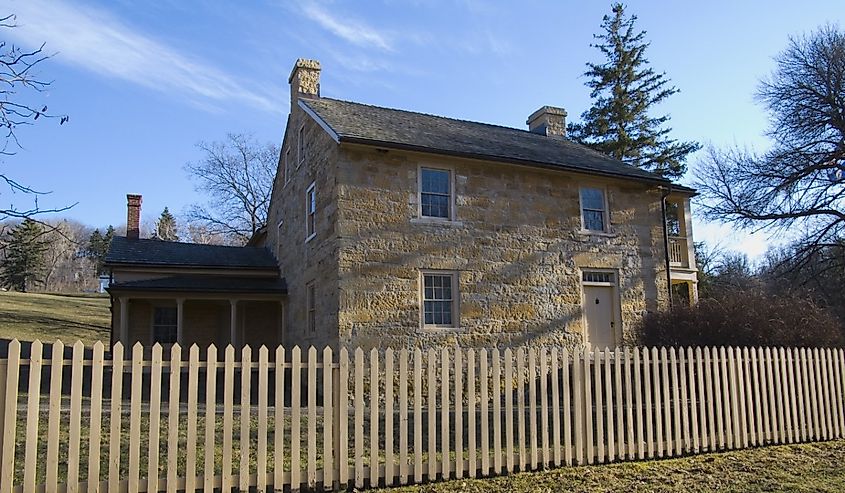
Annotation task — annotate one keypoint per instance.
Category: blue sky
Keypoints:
(144, 82)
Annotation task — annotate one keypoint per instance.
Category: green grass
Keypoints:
(31, 316)
(808, 467)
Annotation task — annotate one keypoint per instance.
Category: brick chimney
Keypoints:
(133, 216)
(304, 80)
(548, 121)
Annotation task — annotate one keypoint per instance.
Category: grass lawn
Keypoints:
(806, 467)
(30, 316)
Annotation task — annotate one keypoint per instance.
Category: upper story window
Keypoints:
(300, 146)
(673, 219)
(440, 307)
(436, 193)
(279, 238)
(165, 325)
(310, 211)
(287, 166)
(593, 209)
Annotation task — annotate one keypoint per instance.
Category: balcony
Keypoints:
(678, 252)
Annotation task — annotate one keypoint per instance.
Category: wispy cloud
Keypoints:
(98, 41)
(355, 32)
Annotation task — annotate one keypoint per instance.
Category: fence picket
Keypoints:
(279, 419)
(578, 404)
(823, 386)
(154, 436)
(311, 466)
(246, 410)
(74, 431)
(431, 411)
(509, 432)
(784, 406)
(555, 376)
(135, 418)
(33, 408)
(445, 471)
(191, 432)
(116, 402)
(329, 431)
(619, 404)
(343, 418)
(700, 433)
(737, 401)
(458, 424)
(566, 392)
(712, 394)
(667, 402)
(648, 411)
(658, 400)
(228, 416)
(403, 416)
(521, 438)
(629, 406)
(691, 406)
(833, 363)
(359, 418)
(263, 389)
(677, 434)
(10, 412)
(389, 473)
(793, 406)
(483, 385)
(757, 385)
(532, 410)
(839, 370)
(374, 407)
(730, 395)
(296, 418)
(769, 416)
(608, 405)
(587, 388)
(598, 358)
(418, 399)
(638, 398)
(544, 407)
(717, 393)
(472, 458)
(172, 418)
(208, 471)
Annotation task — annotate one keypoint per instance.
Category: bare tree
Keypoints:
(797, 185)
(237, 175)
(17, 78)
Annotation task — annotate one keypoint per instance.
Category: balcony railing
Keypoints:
(678, 251)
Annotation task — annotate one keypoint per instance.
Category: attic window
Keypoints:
(310, 212)
(300, 146)
(287, 164)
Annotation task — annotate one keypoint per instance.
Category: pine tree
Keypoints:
(98, 247)
(166, 227)
(624, 91)
(25, 263)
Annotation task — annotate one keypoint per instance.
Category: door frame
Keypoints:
(615, 296)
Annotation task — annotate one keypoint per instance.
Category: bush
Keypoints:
(743, 318)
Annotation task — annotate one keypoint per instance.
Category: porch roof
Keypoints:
(206, 284)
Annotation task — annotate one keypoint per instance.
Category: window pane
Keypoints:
(592, 198)
(594, 220)
(435, 181)
(435, 205)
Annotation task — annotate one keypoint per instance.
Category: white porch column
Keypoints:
(124, 321)
(233, 325)
(180, 317)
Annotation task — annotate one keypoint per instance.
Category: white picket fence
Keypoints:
(329, 421)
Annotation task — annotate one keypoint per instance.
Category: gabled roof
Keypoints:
(146, 252)
(207, 284)
(385, 127)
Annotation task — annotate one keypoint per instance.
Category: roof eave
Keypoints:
(485, 157)
(269, 269)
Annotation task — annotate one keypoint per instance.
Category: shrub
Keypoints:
(743, 318)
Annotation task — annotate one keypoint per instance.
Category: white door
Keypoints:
(600, 313)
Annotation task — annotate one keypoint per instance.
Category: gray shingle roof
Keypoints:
(124, 251)
(223, 284)
(361, 123)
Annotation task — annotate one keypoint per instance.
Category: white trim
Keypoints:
(453, 216)
(325, 126)
(606, 211)
(311, 188)
(456, 300)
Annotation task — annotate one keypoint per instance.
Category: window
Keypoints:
(286, 164)
(300, 146)
(439, 301)
(312, 306)
(673, 219)
(310, 211)
(435, 193)
(164, 325)
(597, 276)
(593, 212)
(279, 238)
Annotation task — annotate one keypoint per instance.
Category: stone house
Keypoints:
(393, 228)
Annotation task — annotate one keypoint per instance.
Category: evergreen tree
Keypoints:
(624, 90)
(24, 263)
(98, 247)
(166, 227)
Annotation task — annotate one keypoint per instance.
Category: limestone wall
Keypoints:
(516, 244)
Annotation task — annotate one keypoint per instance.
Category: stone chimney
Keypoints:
(304, 80)
(548, 121)
(133, 216)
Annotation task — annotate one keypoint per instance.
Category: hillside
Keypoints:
(30, 316)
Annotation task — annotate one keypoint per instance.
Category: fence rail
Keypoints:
(331, 420)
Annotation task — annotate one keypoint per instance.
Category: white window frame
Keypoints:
(300, 146)
(456, 300)
(452, 212)
(287, 166)
(310, 215)
(311, 306)
(605, 212)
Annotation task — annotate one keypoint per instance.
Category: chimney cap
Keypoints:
(546, 110)
(303, 63)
